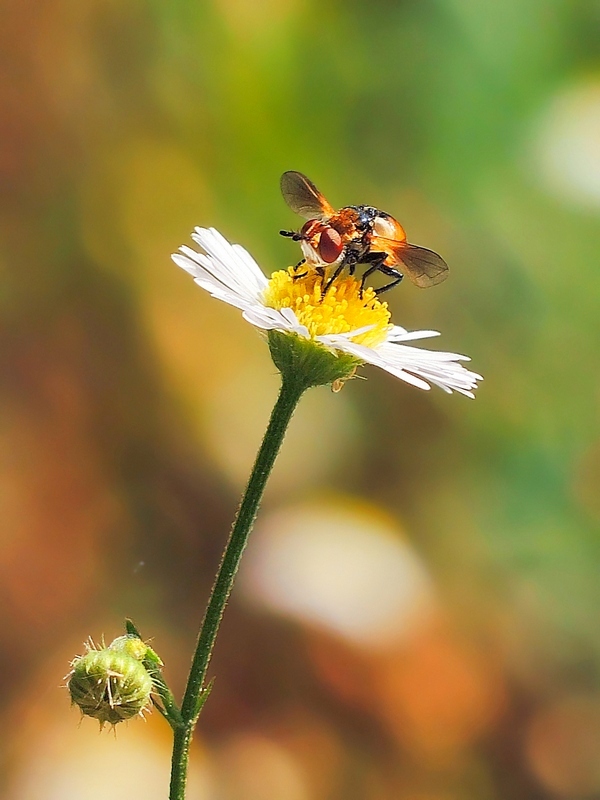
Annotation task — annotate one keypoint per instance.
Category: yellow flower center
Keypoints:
(340, 310)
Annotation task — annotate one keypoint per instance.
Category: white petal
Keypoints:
(290, 317)
(261, 318)
(207, 275)
(272, 319)
(356, 332)
(433, 366)
(399, 334)
(339, 341)
(224, 265)
(236, 262)
(414, 365)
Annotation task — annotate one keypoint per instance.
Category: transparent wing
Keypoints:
(424, 267)
(303, 197)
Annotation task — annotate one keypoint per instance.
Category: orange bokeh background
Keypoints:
(417, 615)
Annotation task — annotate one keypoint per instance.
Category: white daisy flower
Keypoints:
(343, 321)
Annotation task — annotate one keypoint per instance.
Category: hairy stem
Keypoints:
(196, 693)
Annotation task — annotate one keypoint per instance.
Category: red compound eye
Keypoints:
(330, 245)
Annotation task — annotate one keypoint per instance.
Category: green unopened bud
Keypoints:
(111, 683)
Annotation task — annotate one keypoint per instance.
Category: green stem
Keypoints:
(290, 393)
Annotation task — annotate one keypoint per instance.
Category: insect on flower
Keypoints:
(355, 235)
(346, 322)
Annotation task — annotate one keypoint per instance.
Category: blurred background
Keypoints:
(418, 616)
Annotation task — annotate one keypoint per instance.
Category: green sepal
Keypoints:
(153, 664)
(307, 363)
(131, 629)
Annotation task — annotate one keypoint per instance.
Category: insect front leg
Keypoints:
(349, 260)
(335, 275)
(297, 266)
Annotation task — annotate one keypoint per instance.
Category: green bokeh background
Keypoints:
(125, 124)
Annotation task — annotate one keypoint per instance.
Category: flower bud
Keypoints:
(111, 683)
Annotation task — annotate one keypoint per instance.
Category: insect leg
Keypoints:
(392, 273)
(349, 260)
(297, 266)
(353, 256)
(335, 275)
(376, 261)
(319, 270)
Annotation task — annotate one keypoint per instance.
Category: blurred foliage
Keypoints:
(132, 403)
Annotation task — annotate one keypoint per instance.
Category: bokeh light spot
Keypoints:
(256, 768)
(341, 568)
(563, 746)
(321, 438)
(568, 144)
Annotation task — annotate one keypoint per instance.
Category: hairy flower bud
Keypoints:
(111, 683)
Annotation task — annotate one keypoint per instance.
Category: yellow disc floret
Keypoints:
(341, 309)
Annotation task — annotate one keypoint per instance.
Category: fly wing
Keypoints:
(424, 267)
(303, 197)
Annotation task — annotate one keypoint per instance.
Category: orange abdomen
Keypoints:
(387, 227)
